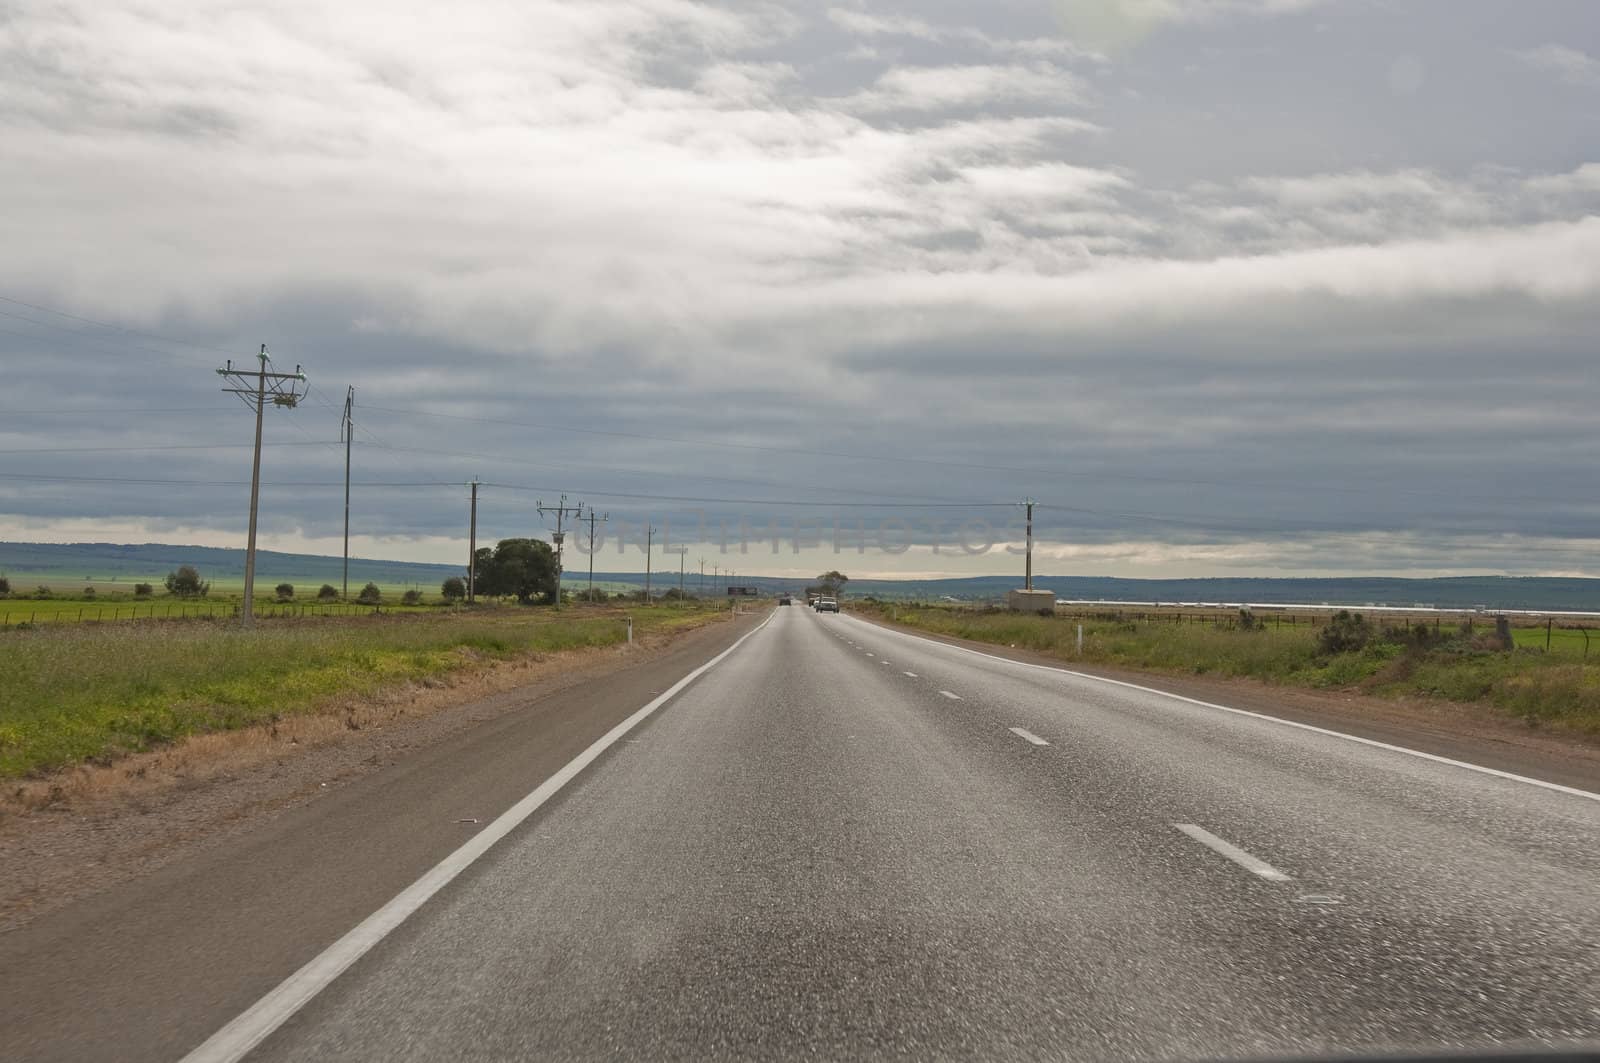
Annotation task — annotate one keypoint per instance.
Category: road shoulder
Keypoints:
(1459, 731)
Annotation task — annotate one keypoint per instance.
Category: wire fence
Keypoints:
(31, 614)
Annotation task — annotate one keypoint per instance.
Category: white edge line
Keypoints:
(1250, 863)
(1374, 743)
(1028, 736)
(256, 1023)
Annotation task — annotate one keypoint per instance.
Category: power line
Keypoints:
(109, 325)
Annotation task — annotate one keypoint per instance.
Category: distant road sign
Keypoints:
(747, 592)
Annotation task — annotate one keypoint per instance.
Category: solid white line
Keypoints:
(1028, 736)
(1372, 742)
(913, 675)
(254, 1025)
(952, 697)
(1233, 852)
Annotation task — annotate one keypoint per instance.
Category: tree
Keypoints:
(411, 597)
(525, 568)
(327, 593)
(285, 591)
(370, 595)
(453, 589)
(143, 590)
(829, 584)
(5, 586)
(186, 583)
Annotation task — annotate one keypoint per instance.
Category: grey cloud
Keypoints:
(1290, 335)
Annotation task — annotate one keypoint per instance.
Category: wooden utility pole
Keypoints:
(593, 520)
(649, 542)
(561, 510)
(283, 390)
(472, 549)
(1027, 580)
(348, 427)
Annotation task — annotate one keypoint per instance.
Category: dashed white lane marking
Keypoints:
(913, 675)
(1233, 852)
(882, 661)
(868, 653)
(1028, 736)
(952, 697)
(1589, 795)
(251, 1027)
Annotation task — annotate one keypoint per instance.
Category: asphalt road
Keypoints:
(844, 841)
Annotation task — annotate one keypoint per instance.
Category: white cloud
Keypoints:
(984, 86)
(1569, 64)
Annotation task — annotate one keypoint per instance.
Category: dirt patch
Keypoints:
(1476, 734)
(80, 831)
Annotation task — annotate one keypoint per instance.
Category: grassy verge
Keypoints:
(1526, 683)
(91, 692)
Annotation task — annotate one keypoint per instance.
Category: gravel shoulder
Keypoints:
(83, 832)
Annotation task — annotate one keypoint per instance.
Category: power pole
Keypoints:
(682, 552)
(472, 549)
(1027, 580)
(593, 520)
(348, 427)
(282, 388)
(702, 577)
(560, 509)
(649, 541)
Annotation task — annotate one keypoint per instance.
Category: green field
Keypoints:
(83, 692)
(102, 608)
(1559, 688)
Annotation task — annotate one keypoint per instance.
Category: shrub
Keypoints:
(186, 583)
(370, 595)
(285, 591)
(411, 597)
(327, 593)
(88, 592)
(5, 586)
(1347, 632)
(42, 592)
(453, 589)
(143, 590)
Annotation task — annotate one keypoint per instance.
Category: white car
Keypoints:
(827, 605)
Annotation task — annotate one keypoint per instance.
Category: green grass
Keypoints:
(83, 692)
(1559, 688)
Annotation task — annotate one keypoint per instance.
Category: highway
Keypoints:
(846, 841)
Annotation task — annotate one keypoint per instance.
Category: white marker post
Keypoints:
(1080, 640)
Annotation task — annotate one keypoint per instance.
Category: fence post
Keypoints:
(1080, 640)
(630, 631)
(1549, 623)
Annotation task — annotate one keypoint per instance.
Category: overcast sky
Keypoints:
(1230, 286)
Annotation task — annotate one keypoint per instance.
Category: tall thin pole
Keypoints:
(349, 434)
(593, 520)
(561, 510)
(681, 552)
(255, 496)
(649, 540)
(1027, 582)
(285, 392)
(472, 549)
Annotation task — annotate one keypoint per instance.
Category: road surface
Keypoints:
(846, 841)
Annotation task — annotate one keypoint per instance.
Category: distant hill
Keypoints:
(77, 562)
(114, 562)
